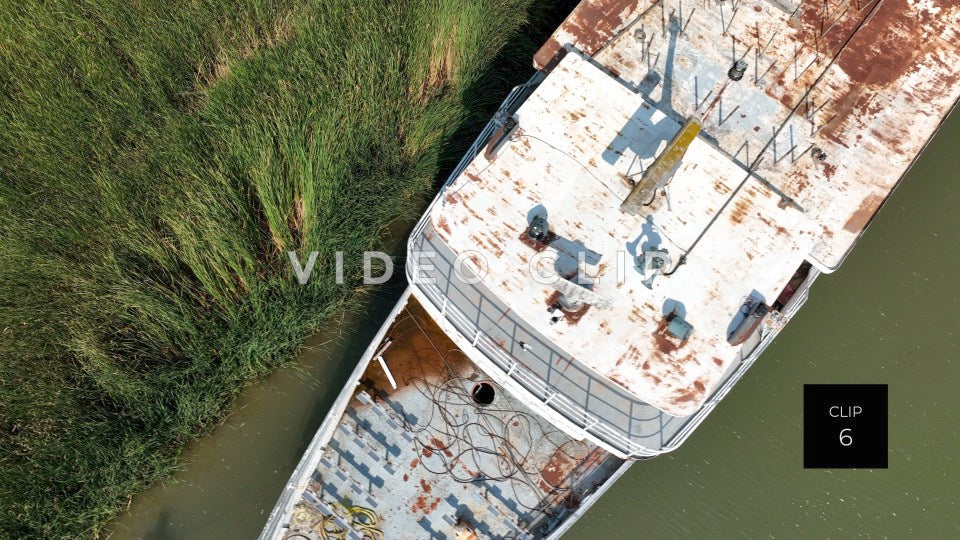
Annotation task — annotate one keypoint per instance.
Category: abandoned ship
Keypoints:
(621, 243)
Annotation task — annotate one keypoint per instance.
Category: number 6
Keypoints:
(845, 439)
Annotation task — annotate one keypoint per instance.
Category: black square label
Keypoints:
(845, 426)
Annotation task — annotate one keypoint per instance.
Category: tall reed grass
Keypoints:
(157, 159)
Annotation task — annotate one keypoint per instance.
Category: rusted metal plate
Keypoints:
(588, 28)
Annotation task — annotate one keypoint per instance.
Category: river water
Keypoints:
(889, 315)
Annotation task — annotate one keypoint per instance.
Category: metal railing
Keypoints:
(525, 378)
(536, 386)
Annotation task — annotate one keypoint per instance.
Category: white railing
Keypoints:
(523, 376)
(563, 405)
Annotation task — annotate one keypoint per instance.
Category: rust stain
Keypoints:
(413, 357)
(438, 445)
(573, 317)
(535, 245)
(549, 55)
(829, 170)
(740, 210)
(685, 396)
(770, 223)
(889, 43)
(662, 340)
(442, 224)
(886, 48)
(591, 25)
(478, 262)
(421, 504)
(554, 474)
(859, 219)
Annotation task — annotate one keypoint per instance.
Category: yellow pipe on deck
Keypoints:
(662, 168)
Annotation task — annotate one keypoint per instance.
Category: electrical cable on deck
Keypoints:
(455, 439)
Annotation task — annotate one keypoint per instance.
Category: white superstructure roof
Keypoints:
(582, 136)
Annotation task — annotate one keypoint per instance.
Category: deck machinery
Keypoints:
(621, 243)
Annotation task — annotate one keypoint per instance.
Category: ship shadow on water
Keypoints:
(162, 529)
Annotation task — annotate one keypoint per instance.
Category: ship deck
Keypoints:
(569, 160)
(425, 460)
(866, 81)
(793, 161)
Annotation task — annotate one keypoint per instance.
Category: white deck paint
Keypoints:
(580, 134)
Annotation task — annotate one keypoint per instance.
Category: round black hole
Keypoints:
(483, 393)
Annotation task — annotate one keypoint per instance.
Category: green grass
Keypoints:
(157, 158)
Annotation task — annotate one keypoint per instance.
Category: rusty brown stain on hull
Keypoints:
(740, 210)
(572, 317)
(443, 226)
(663, 341)
(859, 219)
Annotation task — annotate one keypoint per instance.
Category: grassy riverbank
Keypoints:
(157, 159)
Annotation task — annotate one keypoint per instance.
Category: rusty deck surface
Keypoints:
(867, 82)
(795, 158)
(426, 461)
(570, 160)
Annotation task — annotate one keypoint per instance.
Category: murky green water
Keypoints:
(890, 315)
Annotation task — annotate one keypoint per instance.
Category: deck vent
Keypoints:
(679, 328)
(736, 72)
(651, 263)
(483, 393)
(538, 229)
